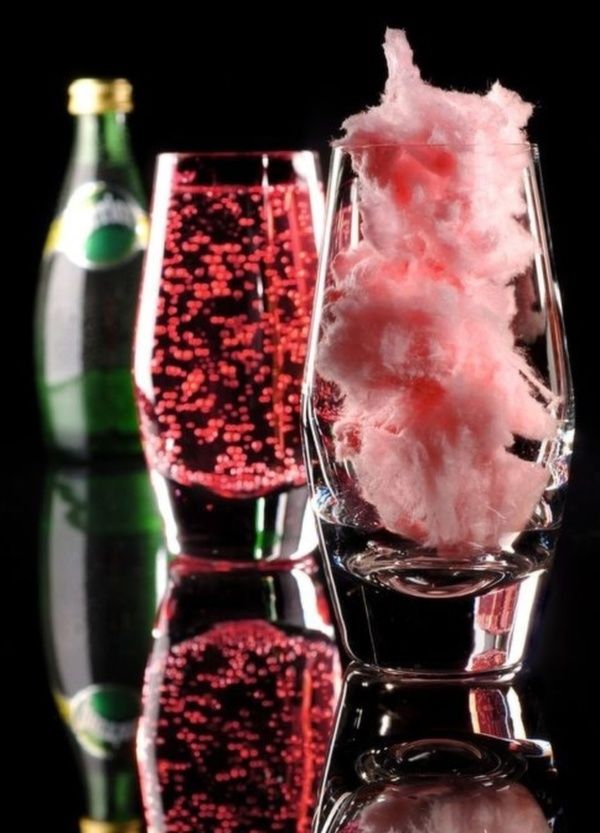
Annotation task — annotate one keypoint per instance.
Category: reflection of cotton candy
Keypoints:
(417, 328)
(448, 809)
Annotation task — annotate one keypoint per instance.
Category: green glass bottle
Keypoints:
(103, 567)
(89, 283)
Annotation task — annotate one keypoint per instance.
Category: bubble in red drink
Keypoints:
(236, 278)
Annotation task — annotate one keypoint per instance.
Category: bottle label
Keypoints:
(101, 226)
(103, 718)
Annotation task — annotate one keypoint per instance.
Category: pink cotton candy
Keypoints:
(412, 111)
(418, 324)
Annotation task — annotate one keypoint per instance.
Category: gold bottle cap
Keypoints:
(93, 826)
(100, 95)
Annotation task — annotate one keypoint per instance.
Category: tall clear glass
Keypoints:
(437, 403)
(220, 347)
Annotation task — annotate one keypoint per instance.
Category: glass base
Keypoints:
(235, 531)
(411, 610)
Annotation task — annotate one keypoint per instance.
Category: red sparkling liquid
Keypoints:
(230, 338)
(235, 729)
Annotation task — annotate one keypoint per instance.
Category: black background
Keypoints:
(278, 77)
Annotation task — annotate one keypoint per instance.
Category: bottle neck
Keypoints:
(92, 826)
(102, 151)
(102, 139)
(111, 789)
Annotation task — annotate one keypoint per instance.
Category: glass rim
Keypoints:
(234, 154)
(348, 147)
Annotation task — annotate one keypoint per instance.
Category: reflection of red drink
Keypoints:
(230, 337)
(495, 612)
(235, 729)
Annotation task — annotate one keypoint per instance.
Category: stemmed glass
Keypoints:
(437, 406)
(220, 348)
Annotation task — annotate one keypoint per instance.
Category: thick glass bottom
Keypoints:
(230, 532)
(409, 609)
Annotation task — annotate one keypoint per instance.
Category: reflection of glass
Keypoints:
(104, 568)
(445, 805)
(220, 349)
(438, 403)
(435, 758)
(239, 699)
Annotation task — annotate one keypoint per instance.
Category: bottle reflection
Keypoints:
(103, 570)
(239, 700)
(430, 757)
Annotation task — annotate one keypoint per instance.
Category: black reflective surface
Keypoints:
(556, 729)
(439, 756)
